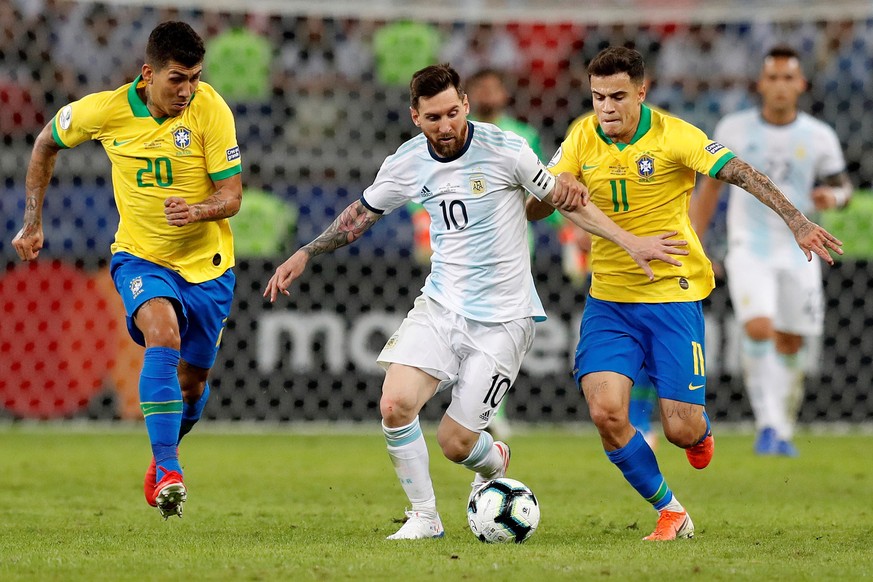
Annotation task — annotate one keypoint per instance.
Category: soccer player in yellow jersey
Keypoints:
(176, 176)
(639, 166)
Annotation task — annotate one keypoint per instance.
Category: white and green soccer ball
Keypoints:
(503, 510)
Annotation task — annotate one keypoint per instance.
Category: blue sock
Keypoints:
(642, 402)
(160, 398)
(191, 412)
(708, 430)
(637, 463)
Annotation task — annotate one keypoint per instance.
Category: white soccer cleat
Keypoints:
(419, 526)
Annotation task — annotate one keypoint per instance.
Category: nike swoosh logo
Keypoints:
(693, 387)
(587, 167)
(117, 143)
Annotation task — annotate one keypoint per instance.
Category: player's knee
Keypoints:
(161, 336)
(397, 410)
(454, 447)
(608, 420)
(759, 329)
(682, 435)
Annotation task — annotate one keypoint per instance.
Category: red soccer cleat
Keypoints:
(149, 482)
(169, 494)
(701, 454)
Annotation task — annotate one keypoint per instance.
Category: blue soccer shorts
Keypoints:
(663, 339)
(202, 308)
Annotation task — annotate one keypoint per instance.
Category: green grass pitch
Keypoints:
(317, 505)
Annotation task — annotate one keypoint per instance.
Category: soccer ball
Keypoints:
(503, 510)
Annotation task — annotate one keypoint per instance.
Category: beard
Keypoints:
(446, 149)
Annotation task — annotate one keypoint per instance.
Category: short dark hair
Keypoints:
(482, 74)
(782, 51)
(174, 41)
(433, 80)
(614, 60)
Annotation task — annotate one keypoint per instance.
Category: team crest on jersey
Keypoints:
(136, 286)
(478, 186)
(65, 117)
(182, 139)
(646, 167)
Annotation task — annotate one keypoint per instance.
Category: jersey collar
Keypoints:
(460, 153)
(137, 107)
(643, 127)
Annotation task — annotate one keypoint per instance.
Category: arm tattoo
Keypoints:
(348, 227)
(739, 173)
(213, 208)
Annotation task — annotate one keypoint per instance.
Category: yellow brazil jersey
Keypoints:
(154, 159)
(645, 187)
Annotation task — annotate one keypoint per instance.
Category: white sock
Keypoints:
(408, 452)
(484, 459)
(757, 361)
(674, 506)
(790, 374)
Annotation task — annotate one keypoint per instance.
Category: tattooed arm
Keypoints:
(349, 226)
(224, 203)
(29, 240)
(811, 238)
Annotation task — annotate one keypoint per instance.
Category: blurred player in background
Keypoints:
(777, 296)
(639, 166)
(474, 321)
(176, 177)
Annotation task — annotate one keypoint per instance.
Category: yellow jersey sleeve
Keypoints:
(81, 120)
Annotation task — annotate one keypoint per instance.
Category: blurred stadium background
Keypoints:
(319, 91)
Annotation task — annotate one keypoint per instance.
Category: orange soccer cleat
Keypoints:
(672, 525)
(701, 454)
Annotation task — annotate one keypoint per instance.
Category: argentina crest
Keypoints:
(646, 167)
(478, 186)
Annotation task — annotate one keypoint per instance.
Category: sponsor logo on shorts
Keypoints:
(485, 415)
(136, 286)
(695, 387)
(714, 147)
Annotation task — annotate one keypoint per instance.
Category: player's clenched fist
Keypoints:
(177, 211)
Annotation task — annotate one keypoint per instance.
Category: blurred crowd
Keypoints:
(325, 99)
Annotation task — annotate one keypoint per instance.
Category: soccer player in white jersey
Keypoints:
(776, 293)
(474, 321)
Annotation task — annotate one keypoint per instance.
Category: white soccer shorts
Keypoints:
(788, 292)
(478, 361)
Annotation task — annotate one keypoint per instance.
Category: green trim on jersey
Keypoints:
(728, 156)
(140, 109)
(226, 173)
(55, 135)
(643, 128)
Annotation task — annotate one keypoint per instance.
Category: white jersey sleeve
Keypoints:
(480, 266)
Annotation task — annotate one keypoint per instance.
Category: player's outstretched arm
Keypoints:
(224, 203)
(29, 240)
(348, 227)
(810, 237)
(642, 250)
